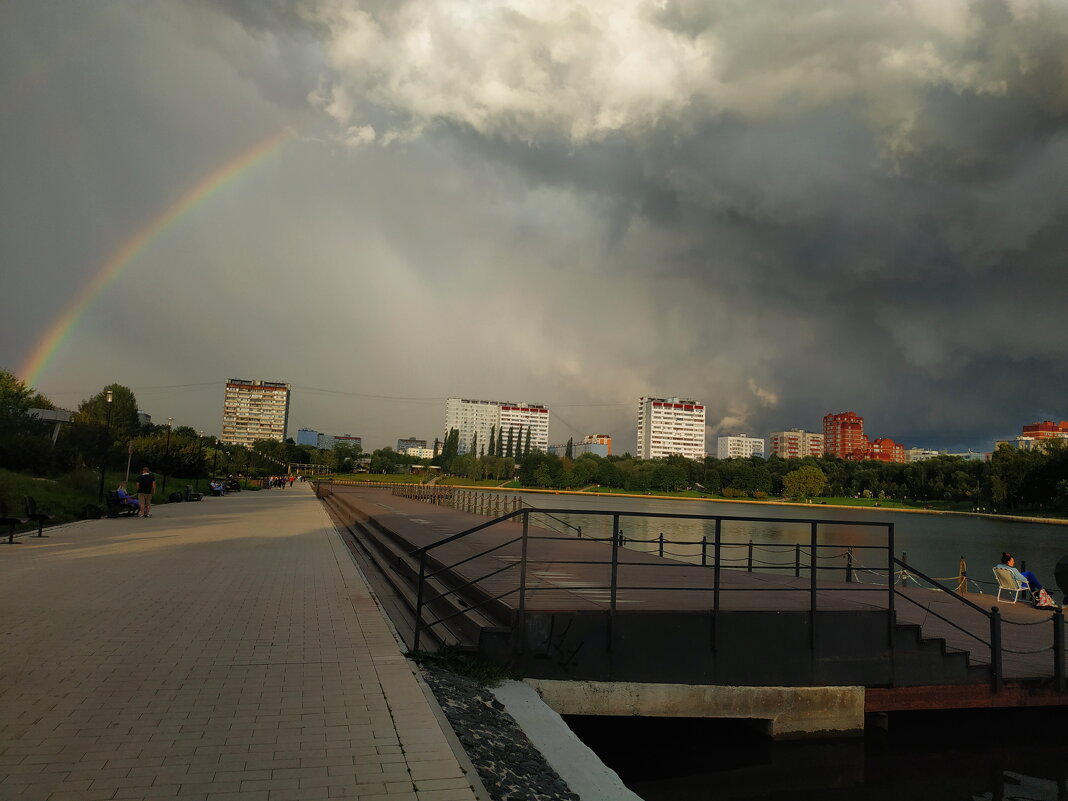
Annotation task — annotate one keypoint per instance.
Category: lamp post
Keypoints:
(215, 462)
(104, 450)
(200, 455)
(167, 458)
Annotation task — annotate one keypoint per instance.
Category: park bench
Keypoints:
(116, 506)
(190, 495)
(34, 516)
(10, 522)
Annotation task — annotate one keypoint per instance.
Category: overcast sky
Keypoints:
(781, 209)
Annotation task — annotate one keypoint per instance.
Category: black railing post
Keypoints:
(661, 545)
(704, 550)
(849, 565)
(904, 572)
(995, 648)
(617, 541)
(749, 558)
(717, 553)
(797, 560)
(812, 585)
(419, 602)
(523, 584)
(891, 598)
(1058, 649)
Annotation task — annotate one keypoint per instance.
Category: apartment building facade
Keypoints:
(480, 417)
(668, 426)
(740, 446)
(795, 444)
(254, 410)
(843, 436)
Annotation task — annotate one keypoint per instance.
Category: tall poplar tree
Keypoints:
(570, 452)
(526, 448)
(492, 443)
(508, 450)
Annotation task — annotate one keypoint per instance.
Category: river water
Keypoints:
(931, 543)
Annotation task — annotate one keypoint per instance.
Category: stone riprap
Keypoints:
(510, 767)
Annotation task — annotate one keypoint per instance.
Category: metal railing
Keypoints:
(810, 558)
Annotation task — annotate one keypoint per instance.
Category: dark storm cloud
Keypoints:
(863, 197)
(783, 209)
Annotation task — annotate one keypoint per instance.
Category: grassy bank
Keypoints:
(67, 496)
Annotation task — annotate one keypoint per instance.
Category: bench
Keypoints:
(34, 516)
(117, 507)
(190, 495)
(10, 522)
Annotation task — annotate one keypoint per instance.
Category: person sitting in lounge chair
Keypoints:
(1009, 561)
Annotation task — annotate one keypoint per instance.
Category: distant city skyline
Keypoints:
(385, 208)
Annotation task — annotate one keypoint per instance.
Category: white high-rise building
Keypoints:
(524, 417)
(254, 410)
(795, 443)
(741, 446)
(668, 426)
(471, 417)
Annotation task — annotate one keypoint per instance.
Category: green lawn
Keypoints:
(64, 498)
(456, 481)
(375, 478)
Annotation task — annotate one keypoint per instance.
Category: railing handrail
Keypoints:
(934, 583)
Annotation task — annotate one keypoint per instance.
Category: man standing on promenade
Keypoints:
(146, 485)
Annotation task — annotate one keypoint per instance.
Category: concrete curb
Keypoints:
(585, 773)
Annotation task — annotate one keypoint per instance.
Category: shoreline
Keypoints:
(1056, 521)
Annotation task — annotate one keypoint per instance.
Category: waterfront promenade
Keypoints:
(226, 650)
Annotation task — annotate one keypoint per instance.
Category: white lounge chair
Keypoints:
(1008, 582)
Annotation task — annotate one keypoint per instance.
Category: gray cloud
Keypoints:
(782, 209)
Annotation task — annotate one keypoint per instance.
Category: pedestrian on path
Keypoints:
(146, 486)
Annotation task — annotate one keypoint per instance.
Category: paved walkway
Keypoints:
(226, 650)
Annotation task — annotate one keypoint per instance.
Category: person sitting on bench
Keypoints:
(126, 499)
(217, 488)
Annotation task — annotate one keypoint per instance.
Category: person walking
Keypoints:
(146, 486)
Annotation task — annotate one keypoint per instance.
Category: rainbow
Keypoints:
(129, 249)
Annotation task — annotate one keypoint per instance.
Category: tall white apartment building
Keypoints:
(668, 426)
(795, 443)
(471, 417)
(254, 410)
(741, 446)
(524, 417)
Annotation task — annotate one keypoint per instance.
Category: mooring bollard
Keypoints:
(661, 549)
(749, 558)
(849, 565)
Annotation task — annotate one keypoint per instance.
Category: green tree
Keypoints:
(24, 440)
(526, 446)
(806, 481)
(508, 450)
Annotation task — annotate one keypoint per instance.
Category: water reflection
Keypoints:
(945, 755)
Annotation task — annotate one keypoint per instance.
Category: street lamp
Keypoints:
(200, 455)
(167, 458)
(104, 449)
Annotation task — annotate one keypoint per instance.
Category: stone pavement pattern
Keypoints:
(226, 650)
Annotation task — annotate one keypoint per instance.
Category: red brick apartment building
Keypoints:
(1047, 429)
(844, 437)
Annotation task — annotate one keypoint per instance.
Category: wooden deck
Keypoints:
(567, 574)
